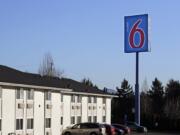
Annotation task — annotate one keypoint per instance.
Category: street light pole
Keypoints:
(137, 96)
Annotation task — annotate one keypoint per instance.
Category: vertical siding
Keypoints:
(39, 113)
(99, 110)
(8, 111)
(30, 110)
(84, 109)
(0, 108)
(108, 110)
(66, 111)
(19, 111)
(55, 113)
(61, 112)
(24, 115)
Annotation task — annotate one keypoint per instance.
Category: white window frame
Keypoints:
(79, 98)
(48, 122)
(48, 95)
(89, 118)
(30, 94)
(30, 123)
(19, 124)
(62, 98)
(89, 99)
(72, 119)
(0, 92)
(95, 119)
(72, 98)
(61, 120)
(104, 100)
(95, 99)
(79, 119)
(19, 94)
(0, 125)
(104, 119)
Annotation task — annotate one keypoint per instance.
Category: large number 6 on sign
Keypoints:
(132, 35)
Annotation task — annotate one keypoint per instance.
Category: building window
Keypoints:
(19, 94)
(19, 124)
(61, 97)
(72, 98)
(104, 100)
(79, 98)
(72, 120)
(29, 123)
(61, 121)
(48, 95)
(0, 92)
(104, 118)
(89, 119)
(20, 105)
(48, 122)
(89, 100)
(95, 99)
(48, 133)
(94, 118)
(78, 119)
(30, 94)
(0, 124)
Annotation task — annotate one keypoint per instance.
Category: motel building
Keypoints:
(31, 104)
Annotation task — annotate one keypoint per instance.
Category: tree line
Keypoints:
(160, 105)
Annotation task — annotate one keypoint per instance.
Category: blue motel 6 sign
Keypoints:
(136, 33)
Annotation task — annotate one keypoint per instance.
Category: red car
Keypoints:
(126, 129)
(110, 130)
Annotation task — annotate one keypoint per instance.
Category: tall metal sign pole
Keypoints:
(136, 41)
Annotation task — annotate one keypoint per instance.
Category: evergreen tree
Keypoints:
(125, 90)
(88, 82)
(173, 89)
(172, 105)
(156, 94)
(125, 101)
(145, 100)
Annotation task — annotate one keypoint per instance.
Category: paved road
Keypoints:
(155, 133)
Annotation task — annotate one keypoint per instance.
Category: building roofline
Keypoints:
(62, 90)
(16, 78)
(34, 86)
(89, 94)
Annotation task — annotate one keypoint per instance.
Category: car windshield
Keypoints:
(132, 123)
(76, 126)
(117, 126)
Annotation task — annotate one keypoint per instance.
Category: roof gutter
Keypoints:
(89, 94)
(63, 90)
(34, 86)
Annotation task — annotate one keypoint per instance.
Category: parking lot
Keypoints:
(156, 133)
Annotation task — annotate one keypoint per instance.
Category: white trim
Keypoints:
(63, 90)
(88, 94)
(33, 86)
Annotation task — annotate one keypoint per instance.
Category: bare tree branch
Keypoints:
(47, 67)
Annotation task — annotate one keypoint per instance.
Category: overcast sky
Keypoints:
(86, 38)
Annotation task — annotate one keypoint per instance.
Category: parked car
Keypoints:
(119, 131)
(126, 129)
(136, 127)
(111, 130)
(85, 129)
